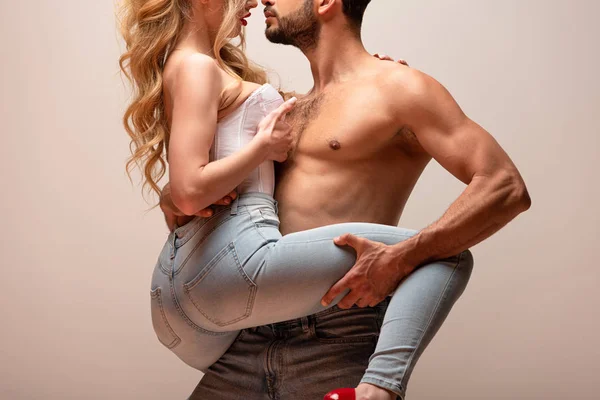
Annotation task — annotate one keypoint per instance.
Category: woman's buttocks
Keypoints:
(199, 242)
(213, 265)
(208, 281)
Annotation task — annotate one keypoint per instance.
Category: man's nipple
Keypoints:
(334, 144)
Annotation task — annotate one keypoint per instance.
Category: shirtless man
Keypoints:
(364, 134)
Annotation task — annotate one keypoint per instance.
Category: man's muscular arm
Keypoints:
(495, 193)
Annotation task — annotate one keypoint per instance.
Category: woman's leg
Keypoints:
(286, 278)
(297, 270)
(416, 311)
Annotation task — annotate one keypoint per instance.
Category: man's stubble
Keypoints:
(301, 29)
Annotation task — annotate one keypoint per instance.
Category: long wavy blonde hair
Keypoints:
(151, 29)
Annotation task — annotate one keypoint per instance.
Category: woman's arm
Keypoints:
(195, 183)
(174, 217)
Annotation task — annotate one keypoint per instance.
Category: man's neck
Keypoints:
(336, 58)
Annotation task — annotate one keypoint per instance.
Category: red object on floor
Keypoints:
(341, 394)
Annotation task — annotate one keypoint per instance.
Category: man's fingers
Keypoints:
(349, 300)
(363, 302)
(334, 291)
(374, 302)
(348, 240)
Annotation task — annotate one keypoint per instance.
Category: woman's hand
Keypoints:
(388, 58)
(208, 212)
(274, 134)
(174, 217)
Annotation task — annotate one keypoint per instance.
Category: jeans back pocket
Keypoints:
(222, 292)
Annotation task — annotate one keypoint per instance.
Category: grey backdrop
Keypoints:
(78, 248)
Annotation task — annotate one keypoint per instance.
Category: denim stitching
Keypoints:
(252, 287)
(195, 229)
(189, 321)
(209, 267)
(355, 234)
(162, 267)
(356, 339)
(155, 294)
(206, 234)
(256, 227)
(230, 249)
(265, 215)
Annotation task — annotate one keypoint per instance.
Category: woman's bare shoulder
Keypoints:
(190, 67)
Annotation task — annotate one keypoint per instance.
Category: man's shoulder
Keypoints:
(404, 80)
(410, 89)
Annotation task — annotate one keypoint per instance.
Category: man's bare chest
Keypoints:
(332, 126)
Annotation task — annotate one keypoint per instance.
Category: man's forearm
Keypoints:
(486, 205)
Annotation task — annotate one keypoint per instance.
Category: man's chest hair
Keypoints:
(306, 110)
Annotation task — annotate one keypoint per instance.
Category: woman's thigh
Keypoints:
(293, 273)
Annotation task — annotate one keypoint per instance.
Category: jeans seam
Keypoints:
(355, 234)
(186, 318)
(199, 226)
(205, 236)
(230, 249)
(162, 267)
(256, 227)
(155, 294)
(355, 340)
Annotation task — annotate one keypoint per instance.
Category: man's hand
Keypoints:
(388, 58)
(377, 273)
(174, 217)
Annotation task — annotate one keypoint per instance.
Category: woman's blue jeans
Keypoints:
(216, 276)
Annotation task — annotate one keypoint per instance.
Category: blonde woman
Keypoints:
(222, 126)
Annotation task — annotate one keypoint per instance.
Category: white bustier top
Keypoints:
(237, 128)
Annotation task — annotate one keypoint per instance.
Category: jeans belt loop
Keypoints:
(305, 327)
(234, 205)
(173, 244)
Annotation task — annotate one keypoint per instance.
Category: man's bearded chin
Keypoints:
(300, 30)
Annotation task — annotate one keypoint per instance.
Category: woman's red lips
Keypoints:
(243, 20)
